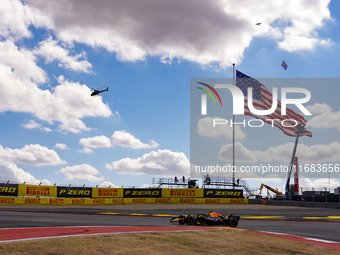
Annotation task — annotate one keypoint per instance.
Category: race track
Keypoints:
(320, 223)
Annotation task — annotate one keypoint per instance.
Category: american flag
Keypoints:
(262, 100)
(284, 65)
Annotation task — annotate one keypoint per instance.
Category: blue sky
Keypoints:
(52, 54)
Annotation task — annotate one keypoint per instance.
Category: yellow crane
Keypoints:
(271, 189)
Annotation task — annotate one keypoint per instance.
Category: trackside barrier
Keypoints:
(113, 201)
(64, 195)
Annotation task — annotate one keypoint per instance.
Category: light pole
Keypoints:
(313, 193)
(301, 194)
(326, 193)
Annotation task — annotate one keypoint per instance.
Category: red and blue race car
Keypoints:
(207, 219)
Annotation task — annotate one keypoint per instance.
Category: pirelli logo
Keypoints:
(56, 201)
(237, 201)
(32, 200)
(163, 200)
(139, 200)
(99, 201)
(108, 192)
(7, 200)
(213, 201)
(183, 193)
(187, 201)
(78, 201)
(118, 201)
(37, 191)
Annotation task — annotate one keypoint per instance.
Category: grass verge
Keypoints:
(223, 241)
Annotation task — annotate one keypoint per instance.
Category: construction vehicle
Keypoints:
(278, 195)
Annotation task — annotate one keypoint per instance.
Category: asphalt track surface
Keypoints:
(319, 223)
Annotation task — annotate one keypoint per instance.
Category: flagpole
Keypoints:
(233, 133)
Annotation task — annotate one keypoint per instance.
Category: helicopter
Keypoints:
(98, 91)
(258, 24)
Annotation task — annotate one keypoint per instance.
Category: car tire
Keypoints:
(233, 222)
(190, 220)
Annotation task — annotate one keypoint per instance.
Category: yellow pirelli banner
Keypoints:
(36, 191)
(193, 193)
(116, 201)
(107, 192)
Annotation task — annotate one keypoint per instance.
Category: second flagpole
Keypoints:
(233, 133)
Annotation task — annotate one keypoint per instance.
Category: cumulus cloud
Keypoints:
(317, 153)
(125, 139)
(107, 184)
(161, 162)
(14, 19)
(318, 108)
(319, 184)
(31, 125)
(119, 138)
(205, 127)
(34, 125)
(51, 51)
(20, 92)
(135, 30)
(326, 117)
(61, 146)
(86, 151)
(82, 172)
(10, 172)
(242, 154)
(33, 154)
(96, 142)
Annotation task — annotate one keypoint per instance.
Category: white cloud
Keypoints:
(46, 129)
(33, 154)
(10, 172)
(318, 184)
(318, 108)
(317, 153)
(50, 50)
(135, 30)
(326, 118)
(161, 162)
(119, 138)
(86, 151)
(205, 127)
(31, 124)
(61, 146)
(14, 19)
(67, 104)
(96, 142)
(125, 139)
(19, 68)
(242, 154)
(82, 172)
(107, 184)
(293, 29)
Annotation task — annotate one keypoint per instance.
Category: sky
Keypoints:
(53, 53)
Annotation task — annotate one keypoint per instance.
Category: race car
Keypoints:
(207, 219)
